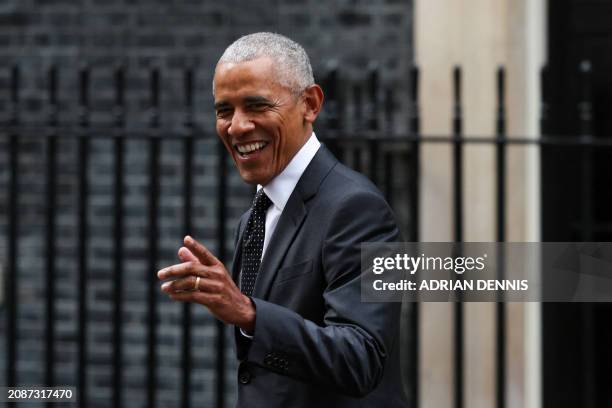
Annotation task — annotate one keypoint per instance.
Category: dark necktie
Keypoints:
(252, 243)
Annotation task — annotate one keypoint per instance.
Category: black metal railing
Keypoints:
(371, 147)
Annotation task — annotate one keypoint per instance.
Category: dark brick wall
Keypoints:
(141, 35)
(171, 34)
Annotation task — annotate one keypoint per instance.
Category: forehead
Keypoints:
(258, 75)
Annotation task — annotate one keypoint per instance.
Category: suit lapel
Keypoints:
(288, 225)
(236, 260)
(291, 219)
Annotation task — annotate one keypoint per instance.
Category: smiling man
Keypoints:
(303, 336)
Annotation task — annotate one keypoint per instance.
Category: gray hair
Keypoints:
(293, 69)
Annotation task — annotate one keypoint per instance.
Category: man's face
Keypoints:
(261, 123)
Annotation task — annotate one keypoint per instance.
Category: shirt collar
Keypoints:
(279, 189)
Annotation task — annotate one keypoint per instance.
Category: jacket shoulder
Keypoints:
(343, 183)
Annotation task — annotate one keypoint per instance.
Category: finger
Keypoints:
(175, 271)
(187, 283)
(200, 251)
(186, 255)
(182, 270)
(198, 297)
(203, 298)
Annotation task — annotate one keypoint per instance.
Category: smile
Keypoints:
(248, 148)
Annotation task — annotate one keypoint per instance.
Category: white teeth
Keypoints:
(251, 147)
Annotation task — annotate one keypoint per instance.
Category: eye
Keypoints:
(223, 113)
(258, 106)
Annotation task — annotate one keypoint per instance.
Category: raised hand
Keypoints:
(202, 278)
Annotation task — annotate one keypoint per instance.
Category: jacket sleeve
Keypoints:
(348, 352)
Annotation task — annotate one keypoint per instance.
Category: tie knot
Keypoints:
(261, 201)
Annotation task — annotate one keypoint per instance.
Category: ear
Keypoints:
(313, 100)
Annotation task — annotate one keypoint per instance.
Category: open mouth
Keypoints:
(249, 148)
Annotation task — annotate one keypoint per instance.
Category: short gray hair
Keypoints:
(293, 67)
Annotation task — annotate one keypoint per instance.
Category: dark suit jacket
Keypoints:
(315, 343)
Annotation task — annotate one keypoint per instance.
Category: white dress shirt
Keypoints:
(279, 189)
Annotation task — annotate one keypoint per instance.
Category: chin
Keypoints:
(250, 179)
(256, 176)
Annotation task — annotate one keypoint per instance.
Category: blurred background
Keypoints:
(480, 120)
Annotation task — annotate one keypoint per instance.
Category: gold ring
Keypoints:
(197, 284)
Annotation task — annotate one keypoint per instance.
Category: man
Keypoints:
(303, 337)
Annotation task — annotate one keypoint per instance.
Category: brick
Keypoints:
(352, 18)
(62, 19)
(298, 20)
(13, 19)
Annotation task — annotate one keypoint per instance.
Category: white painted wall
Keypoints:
(480, 35)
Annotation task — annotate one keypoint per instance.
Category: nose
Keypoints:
(241, 123)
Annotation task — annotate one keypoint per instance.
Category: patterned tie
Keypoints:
(252, 243)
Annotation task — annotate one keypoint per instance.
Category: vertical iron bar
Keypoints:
(357, 108)
(221, 238)
(501, 236)
(13, 216)
(372, 103)
(187, 197)
(388, 154)
(118, 241)
(388, 177)
(153, 241)
(359, 122)
(458, 217)
(415, 129)
(83, 231)
(332, 102)
(585, 111)
(372, 120)
(357, 158)
(50, 230)
(458, 154)
(389, 112)
(500, 151)
(332, 107)
(374, 153)
(544, 108)
(414, 188)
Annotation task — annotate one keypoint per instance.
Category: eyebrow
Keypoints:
(247, 99)
(221, 104)
(256, 99)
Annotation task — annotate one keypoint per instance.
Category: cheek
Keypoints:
(222, 133)
(219, 130)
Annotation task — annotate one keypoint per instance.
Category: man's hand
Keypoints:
(215, 288)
